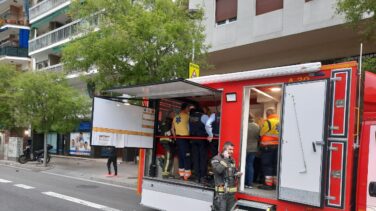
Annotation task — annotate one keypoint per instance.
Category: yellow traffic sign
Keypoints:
(194, 70)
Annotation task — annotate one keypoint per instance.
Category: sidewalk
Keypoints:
(84, 168)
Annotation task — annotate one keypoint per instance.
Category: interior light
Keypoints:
(275, 89)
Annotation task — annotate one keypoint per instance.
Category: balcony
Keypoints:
(45, 6)
(52, 37)
(13, 51)
(61, 35)
(53, 68)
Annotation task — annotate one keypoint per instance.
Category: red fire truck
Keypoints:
(327, 150)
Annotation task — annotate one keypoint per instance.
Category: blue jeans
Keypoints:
(249, 170)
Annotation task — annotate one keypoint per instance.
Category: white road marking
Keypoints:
(24, 186)
(80, 201)
(5, 181)
(88, 180)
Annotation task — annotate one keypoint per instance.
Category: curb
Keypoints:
(34, 166)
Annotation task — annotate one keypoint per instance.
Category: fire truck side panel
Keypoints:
(367, 150)
(232, 123)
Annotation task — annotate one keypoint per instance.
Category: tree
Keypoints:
(138, 40)
(355, 11)
(45, 101)
(370, 64)
(7, 74)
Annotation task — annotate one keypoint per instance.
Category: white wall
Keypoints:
(297, 16)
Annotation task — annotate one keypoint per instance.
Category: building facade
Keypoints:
(51, 28)
(251, 34)
(14, 33)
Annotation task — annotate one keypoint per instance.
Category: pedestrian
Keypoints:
(112, 159)
(180, 127)
(199, 146)
(253, 138)
(269, 149)
(225, 178)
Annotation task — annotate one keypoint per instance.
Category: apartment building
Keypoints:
(251, 34)
(14, 33)
(50, 29)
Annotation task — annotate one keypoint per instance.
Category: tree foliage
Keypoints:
(138, 41)
(45, 101)
(355, 11)
(7, 74)
(370, 64)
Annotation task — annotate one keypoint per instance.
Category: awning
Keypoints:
(49, 18)
(169, 89)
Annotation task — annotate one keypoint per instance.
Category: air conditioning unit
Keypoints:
(194, 5)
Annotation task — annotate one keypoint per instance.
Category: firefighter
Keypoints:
(212, 129)
(180, 127)
(199, 147)
(269, 149)
(225, 178)
(167, 144)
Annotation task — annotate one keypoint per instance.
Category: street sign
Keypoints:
(194, 70)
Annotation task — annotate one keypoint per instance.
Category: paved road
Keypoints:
(22, 189)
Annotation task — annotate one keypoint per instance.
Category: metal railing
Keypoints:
(13, 51)
(63, 33)
(53, 68)
(44, 6)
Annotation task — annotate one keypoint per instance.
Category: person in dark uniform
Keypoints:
(225, 178)
(199, 147)
(167, 144)
(111, 159)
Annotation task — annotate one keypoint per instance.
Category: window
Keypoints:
(226, 10)
(265, 6)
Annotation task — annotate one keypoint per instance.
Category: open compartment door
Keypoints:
(121, 125)
(303, 142)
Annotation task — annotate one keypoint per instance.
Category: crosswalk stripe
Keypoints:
(5, 181)
(80, 201)
(23, 186)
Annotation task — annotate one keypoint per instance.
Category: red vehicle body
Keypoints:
(327, 150)
(350, 191)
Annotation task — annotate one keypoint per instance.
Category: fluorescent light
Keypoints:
(275, 89)
(263, 93)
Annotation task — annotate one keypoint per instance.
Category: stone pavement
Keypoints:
(84, 168)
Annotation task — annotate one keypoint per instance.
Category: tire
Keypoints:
(48, 158)
(22, 159)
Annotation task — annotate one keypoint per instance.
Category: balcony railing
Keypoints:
(44, 6)
(13, 51)
(63, 33)
(53, 68)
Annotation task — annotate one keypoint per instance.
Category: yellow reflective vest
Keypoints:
(270, 131)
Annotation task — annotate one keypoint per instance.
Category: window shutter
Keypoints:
(226, 9)
(265, 6)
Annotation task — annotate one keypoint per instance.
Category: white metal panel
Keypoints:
(371, 201)
(169, 89)
(116, 124)
(173, 197)
(303, 125)
(260, 73)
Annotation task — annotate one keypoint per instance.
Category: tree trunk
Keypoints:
(45, 150)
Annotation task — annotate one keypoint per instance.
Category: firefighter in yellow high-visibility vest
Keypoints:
(269, 149)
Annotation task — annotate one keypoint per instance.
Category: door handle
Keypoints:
(372, 189)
